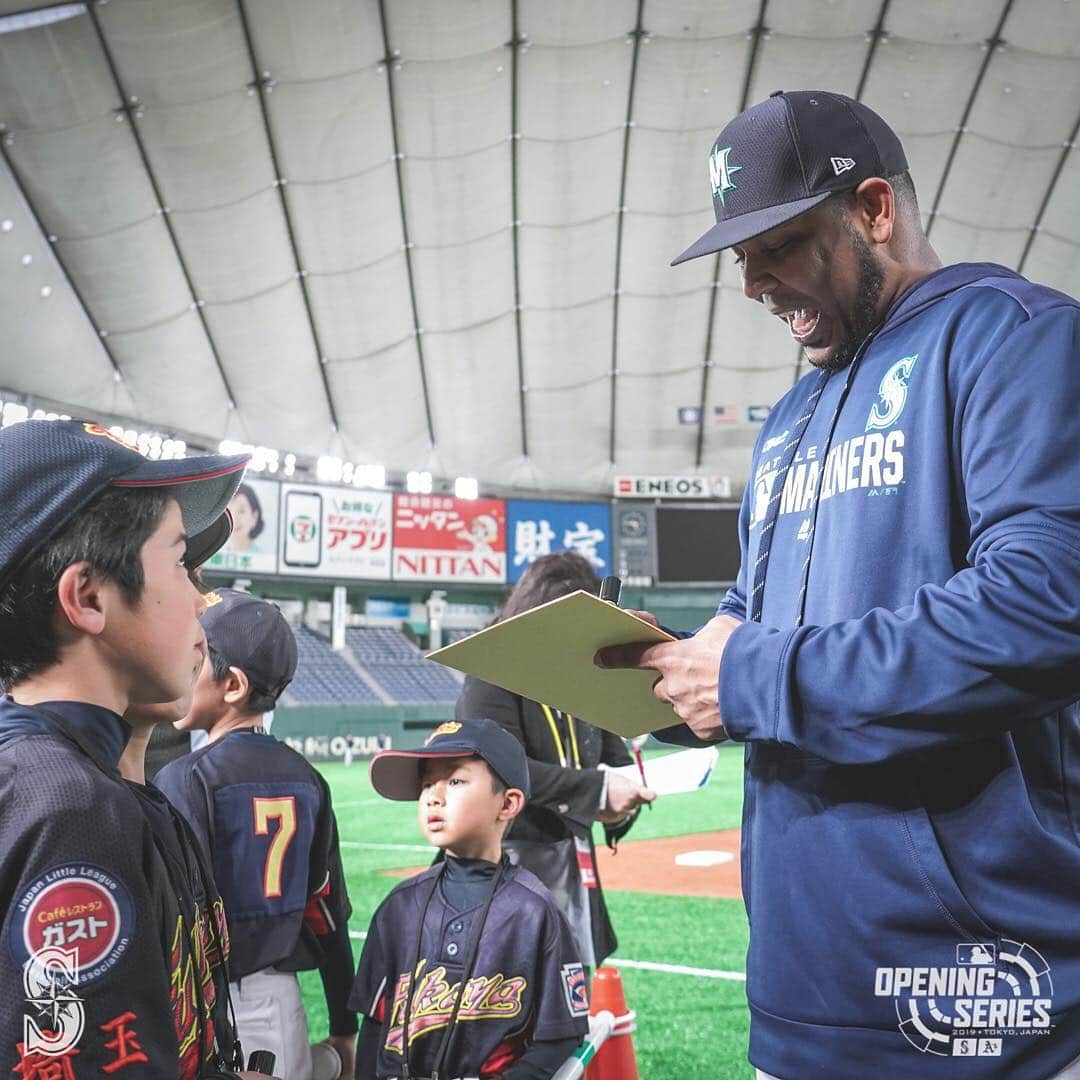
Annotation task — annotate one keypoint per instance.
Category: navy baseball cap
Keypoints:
(51, 469)
(782, 157)
(253, 636)
(395, 774)
(203, 546)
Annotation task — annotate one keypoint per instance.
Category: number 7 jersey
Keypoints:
(265, 815)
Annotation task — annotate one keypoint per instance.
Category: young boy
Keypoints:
(484, 940)
(265, 815)
(99, 968)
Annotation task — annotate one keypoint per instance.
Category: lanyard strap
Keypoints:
(466, 973)
(787, 459)
(563, 761)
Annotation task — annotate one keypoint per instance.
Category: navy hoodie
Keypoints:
(911, 832)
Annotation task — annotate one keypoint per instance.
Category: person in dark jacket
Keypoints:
(553, 835)
(901, 651)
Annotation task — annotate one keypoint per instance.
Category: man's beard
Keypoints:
(864, 317)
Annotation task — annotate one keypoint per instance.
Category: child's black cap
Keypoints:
(395, 774)
(51, 469)
(253, 636)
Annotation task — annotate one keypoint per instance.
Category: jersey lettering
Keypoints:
(486, 997)
(284, 811)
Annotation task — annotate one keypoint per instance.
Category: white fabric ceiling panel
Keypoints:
(237, 250)
(463, 28)
(561, 92)
(650, 242)
(266, 345)
(1023, 113)
(208, 153)
(464, 286)
(650, 437)
(333, 129)
(1054, 261)
(129, 279)
(365, 311)
(168, 52)
(955, 24)
(697, 20)
(957, 241)
(381, 408)
(569, 22)
(689, 87)
(318, 40)
(787, 62)
(571, 455)
(50, 343)
(1062, 216)
(473, 382)
(1045, 26)
(660, 335)
(834, 19)
(170, 373)
(456, 202)
(52, 78)
(347, 225)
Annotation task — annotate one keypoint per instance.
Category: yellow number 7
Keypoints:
(284, 810)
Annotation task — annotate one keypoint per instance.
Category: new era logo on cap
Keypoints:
(842, 164)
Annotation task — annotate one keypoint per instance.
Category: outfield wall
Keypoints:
(325, 732)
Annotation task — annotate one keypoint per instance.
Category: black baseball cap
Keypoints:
(203, 546)
(395, 774)
(253, 636)
(51, 469)
(785, 155)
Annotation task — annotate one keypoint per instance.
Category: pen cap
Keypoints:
(610, 588)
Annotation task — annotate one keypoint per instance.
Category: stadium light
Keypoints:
(466, 487)
(418, 483)
(369, 476)
(290, 464)
(263, 458)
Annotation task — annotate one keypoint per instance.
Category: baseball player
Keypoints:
(103, 965)
(266, 818)
(473, 938)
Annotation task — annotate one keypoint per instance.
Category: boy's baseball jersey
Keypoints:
(527, 982)
(264, 814)
(110, 960)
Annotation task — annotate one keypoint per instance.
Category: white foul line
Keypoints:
(642, 965)
(677, 969)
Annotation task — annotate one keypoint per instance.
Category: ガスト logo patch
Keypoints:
(77, 907)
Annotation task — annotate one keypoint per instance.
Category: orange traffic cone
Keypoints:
(614, 1060)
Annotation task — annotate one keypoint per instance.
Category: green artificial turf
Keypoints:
(689, 1026)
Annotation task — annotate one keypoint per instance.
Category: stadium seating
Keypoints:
(383, 654)
(323, 677)
(399, 667)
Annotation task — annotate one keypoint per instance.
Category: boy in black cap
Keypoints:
(101, 966)
(484, 940)
(265, 815)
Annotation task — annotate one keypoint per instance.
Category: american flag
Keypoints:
(725, 414)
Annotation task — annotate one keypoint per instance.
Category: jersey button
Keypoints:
(452, 949)
(457, 926)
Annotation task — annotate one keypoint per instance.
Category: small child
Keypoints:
(497, 987)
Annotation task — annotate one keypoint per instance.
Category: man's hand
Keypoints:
(345, 1045)
(689, 672)
(623, 796)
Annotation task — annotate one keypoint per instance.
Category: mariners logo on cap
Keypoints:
(449, 728)
(720, 170)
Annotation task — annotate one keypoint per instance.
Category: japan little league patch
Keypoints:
(577, 993)
(75, 906)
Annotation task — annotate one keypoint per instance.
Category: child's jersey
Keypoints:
(527, 982)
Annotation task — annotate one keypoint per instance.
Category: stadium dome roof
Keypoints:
(437, 235)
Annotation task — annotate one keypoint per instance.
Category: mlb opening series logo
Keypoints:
(967, 1008)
